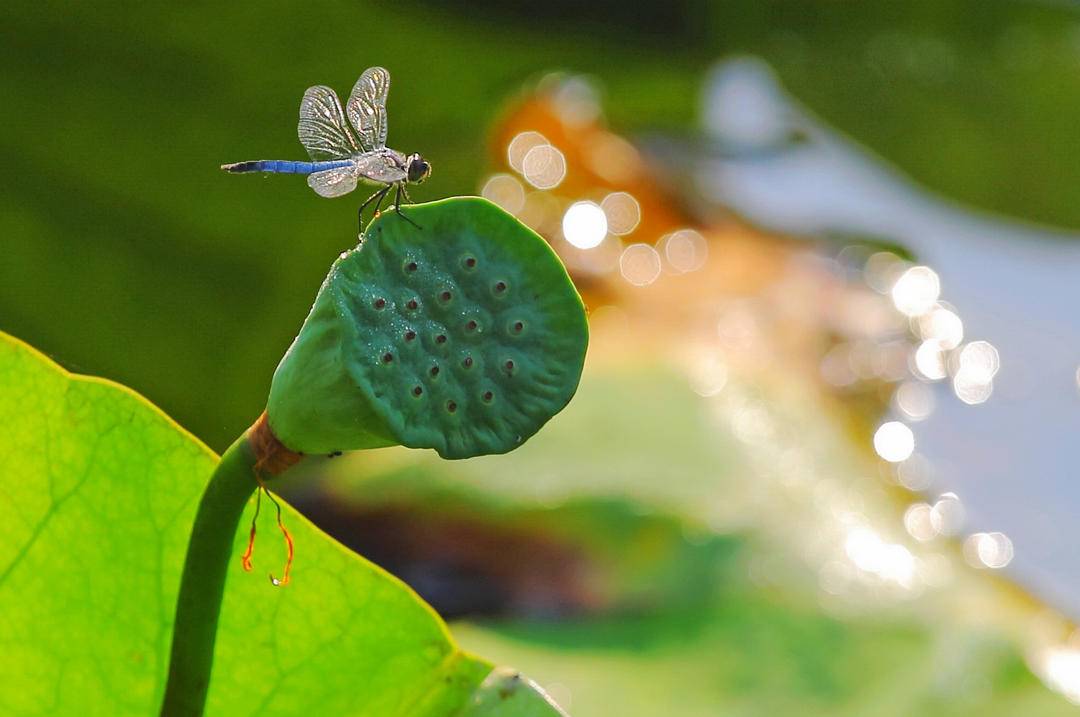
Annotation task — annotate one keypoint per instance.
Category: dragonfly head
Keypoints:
(417, 168)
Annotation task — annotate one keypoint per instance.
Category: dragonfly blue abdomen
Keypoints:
(282, 166)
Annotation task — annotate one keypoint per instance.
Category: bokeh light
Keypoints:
(947, 514)
(640, 264)
(929, 361)
(519, 147)
(915, 400)
(585, 225)
(976, 365)
(506, 191)
(544, 167)
(942, 325)
(980, 361)
(916, 291)
(915, 473)
(918, 524)
(686, 250)
(988, 550)
(894, 441)
(881, 271)
(889, 561)
(622, 211)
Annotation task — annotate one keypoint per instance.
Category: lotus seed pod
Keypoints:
(463, 334)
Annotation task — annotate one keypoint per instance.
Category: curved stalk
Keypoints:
(210, 549)
(203, 582)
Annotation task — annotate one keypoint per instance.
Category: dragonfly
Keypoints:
(347, 153)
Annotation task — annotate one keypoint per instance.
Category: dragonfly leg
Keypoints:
(360, 214)
(382, 196)
(397, 205)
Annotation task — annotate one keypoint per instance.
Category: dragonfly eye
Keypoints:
(418, 170)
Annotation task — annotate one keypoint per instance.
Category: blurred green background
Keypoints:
(128, 253)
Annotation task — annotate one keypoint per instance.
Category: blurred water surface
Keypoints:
(1010, 458)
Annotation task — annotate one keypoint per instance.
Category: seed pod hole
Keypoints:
(470, 262)
(517, 327)
(509, 366)
(440, 339)
(445, 296)
(410, 335)
(411, 266)
(467, 362)
(487, 396)
(412, 304)
(417, 391)
(500, 287)
(380, 303)
(434, 371)
(471, 325)
(451, 406)
(387, 357)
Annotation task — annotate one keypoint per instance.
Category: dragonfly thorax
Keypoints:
(417, 168)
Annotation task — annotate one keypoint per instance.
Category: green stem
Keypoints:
(203, 584)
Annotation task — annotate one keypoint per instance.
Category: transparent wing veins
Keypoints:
(379, 167)
(333, 182)
(322, 129)
(367, 107)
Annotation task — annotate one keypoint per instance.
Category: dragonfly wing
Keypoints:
(380, 167)
(367, 107)
(323, 130)
(333, 182)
